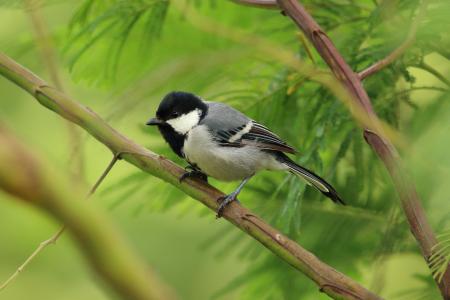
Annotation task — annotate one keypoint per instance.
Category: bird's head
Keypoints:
(180, 110)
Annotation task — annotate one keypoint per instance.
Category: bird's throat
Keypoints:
(173, 138)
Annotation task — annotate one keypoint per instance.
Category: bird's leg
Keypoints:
(225, 200)
(193, 171)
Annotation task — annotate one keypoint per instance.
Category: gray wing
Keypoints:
(231, 128)
(223, 117)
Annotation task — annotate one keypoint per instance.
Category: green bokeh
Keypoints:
(194, 253)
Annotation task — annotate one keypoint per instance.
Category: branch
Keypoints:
(258, 3)
(39, 249)
(330, 281)
(426, 67)
(25, 176)
(409, 41)
(49, 58)
(54, 238)
(375, 138)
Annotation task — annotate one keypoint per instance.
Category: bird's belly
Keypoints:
(225, 163)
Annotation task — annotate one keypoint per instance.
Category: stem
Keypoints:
(426, 67)
(30, 179)
(55, 237)
(330, 281)
(374, 136)
(103, 176)
(41, 247)
(394, 55)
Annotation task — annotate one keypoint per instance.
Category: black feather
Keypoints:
(305, 173)
(173, 138)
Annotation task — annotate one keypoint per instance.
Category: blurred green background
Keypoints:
(121, 57)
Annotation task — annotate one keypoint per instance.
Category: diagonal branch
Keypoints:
(49, 58)
(25, 176)
(394, 55)
(42, 245)
(54, 238)
(410, 200)
(330, 281)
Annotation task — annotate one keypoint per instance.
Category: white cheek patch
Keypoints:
(185, 122)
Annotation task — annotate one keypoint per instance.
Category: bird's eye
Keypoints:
(175, 114)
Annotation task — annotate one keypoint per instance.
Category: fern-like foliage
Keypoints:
(441, 256)
(106, 36)
(106, 29)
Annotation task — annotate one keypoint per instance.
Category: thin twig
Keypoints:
(374, 136)
(49, 57)
(258, 3)
(105, 173)
(105, 249)
(334, 283)
(406, 92)
(56, 236)
(41, 247)
(394, 55)
(426, 67)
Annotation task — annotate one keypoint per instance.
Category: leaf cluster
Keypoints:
(143, 49)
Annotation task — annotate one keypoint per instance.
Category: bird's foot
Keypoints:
(224, 201)
(193, 173)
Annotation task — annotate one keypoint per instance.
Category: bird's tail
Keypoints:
(311, 178)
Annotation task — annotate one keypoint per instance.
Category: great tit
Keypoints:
(218, 141)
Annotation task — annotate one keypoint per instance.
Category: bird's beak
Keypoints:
(154, 121)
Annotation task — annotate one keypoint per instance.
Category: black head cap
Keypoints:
(176, 104)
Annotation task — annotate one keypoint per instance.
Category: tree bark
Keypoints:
(24, 175)
(410, 200)
(333, 283)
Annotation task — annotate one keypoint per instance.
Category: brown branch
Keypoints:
(394, 55)
(54, 238)
(48, 56)
(30, 179)
(376, 139)
(330, 281)
(258, 3)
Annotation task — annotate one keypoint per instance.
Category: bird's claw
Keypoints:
(224, 201)
(193, 173)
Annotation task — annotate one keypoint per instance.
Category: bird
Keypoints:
(219, 141)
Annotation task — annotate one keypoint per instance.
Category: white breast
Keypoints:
(225, 163)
